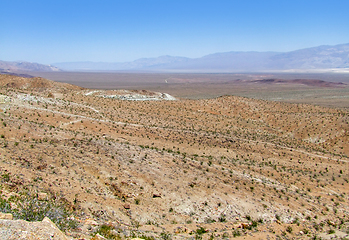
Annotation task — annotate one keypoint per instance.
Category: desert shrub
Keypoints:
(5, 206)
(222, 218)
(31, 209)
(210, 220)
(106, 231)
(277, 217)
(6, 177)
(236, 233)
(200, 231)
(146, 237)
(165, 236)
(225, 235)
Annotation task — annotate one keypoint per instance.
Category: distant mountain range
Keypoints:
(10, 67)
(322, 57)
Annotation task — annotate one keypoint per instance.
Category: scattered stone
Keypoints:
(127, 206)
(42, 196)
(156, 195)
(245, 225)
(91, 222)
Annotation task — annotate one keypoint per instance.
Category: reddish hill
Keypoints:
(308, 82)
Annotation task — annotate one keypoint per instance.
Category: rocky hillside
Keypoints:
(222, 168)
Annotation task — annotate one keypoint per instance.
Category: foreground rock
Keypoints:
(20, 229)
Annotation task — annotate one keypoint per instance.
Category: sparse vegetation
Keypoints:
(30, 208)
(225, 165)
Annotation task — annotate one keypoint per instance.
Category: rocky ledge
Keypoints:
(20, 229)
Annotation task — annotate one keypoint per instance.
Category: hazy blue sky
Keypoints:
(104, 30)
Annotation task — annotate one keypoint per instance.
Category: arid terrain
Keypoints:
(323, 89)
(97, 162)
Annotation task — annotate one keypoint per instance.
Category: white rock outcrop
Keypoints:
(20, 229)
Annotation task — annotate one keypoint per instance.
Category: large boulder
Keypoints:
(20, 229)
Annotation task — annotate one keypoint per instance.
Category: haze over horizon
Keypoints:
(119, 31)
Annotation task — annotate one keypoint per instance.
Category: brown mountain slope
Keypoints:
(33, 84)
(214, 168)
(308, 82)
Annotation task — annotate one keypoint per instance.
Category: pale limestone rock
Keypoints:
(7, 216)
(42, 196)
(91, 222)
(98, 237)
(20, 229)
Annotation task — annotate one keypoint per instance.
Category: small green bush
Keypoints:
(105, 231)
(236, 233)
(200, 231)
(165, 236)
